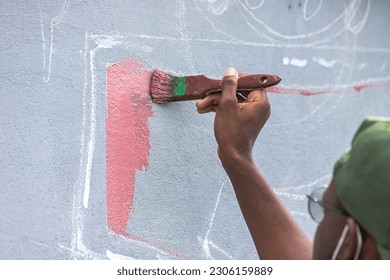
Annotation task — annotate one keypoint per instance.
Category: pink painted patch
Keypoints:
(127, 137)
(127, 143)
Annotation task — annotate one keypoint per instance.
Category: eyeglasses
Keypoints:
(316, 206)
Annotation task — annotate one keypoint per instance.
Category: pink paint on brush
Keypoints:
(127, 137)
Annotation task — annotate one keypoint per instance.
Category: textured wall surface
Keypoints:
(90, 168)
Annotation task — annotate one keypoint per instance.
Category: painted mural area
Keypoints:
(129, 106)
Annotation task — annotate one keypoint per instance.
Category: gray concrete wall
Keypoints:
(172, 199)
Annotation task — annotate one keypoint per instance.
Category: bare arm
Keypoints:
(275, 233)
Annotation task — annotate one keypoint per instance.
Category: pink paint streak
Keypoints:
(127, 137)
(305, 92)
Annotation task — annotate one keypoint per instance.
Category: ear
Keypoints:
(349, 247)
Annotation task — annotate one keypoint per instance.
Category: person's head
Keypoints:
(356, 218)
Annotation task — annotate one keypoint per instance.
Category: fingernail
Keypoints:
(230, 72)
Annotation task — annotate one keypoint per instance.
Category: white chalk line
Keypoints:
(254, 44)
(295, 192)
(334, 28)
(78, 248)
(77, 220)
(285, 191)
(91, 144)
(352, 9)
(258, 6)
(221, 250)
(184, 35)
(347, 15)
(206, 242)
(53, 23)
(82, 187)
(219, 7)
(102, 43)
(213, 24)
(113, 256)
(77, 245)
(86, 151)
(158, 253)
(307, 18)
(270, 30)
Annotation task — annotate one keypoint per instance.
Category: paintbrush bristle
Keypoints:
(161, 86)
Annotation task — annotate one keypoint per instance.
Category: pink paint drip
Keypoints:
(127, 137)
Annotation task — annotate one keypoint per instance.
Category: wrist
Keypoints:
(235, 159)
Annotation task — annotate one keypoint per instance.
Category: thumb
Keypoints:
(229, 89)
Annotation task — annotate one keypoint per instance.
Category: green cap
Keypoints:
(362, 179)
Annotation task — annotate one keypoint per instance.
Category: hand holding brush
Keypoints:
(236, 124)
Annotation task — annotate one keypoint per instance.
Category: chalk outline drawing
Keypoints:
(94, 42)
(315, 40)
(88, 138)
(263, 30)
(82, 187)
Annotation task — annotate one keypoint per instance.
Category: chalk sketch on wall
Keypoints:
(352, 18)
(355, 65)
(319, 37)
(130, 74)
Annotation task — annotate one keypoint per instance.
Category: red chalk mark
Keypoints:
(127, 137)
(356, 88)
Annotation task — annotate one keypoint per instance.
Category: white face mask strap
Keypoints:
(359, 242)
(340, 242)
(342, 239)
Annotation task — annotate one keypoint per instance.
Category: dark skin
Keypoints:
(326, 240)
(275, 233)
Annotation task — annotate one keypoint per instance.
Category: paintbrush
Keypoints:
(165, 87)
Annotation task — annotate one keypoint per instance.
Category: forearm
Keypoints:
(236, 127)
(275, 233)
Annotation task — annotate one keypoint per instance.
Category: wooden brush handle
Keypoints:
(245, 83)
(258, 81)
(200, 86)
